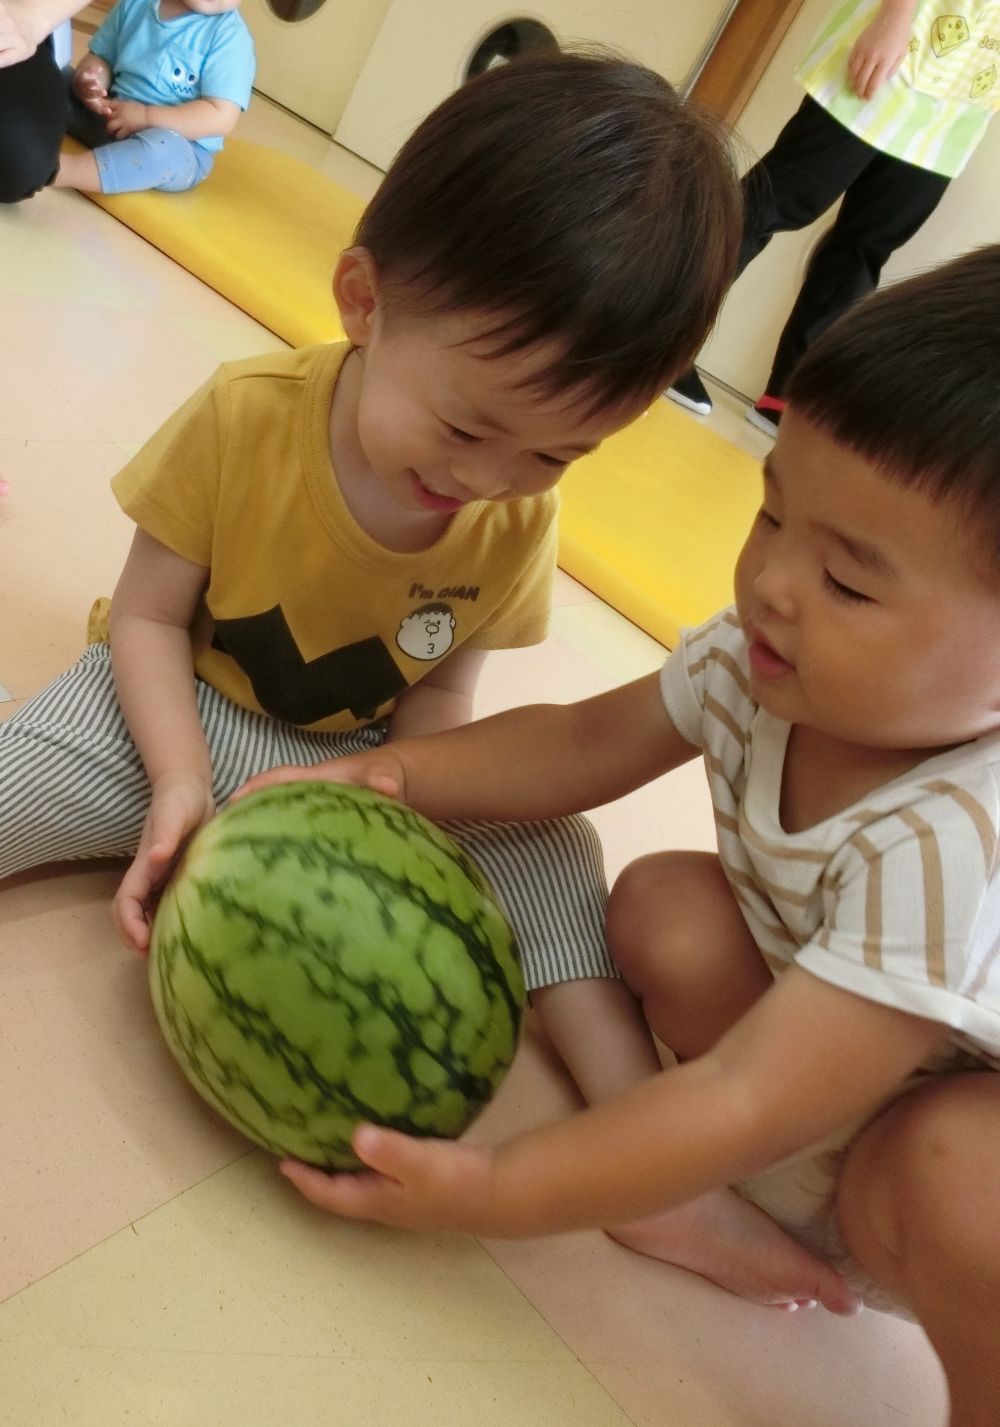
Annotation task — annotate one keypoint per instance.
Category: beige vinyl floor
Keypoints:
(155, 1271)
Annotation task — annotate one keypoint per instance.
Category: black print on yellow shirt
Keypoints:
(360, 677)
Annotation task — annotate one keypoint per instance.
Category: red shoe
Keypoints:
(765, 414)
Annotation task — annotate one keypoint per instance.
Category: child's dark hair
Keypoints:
(910, 380)
(578, 199)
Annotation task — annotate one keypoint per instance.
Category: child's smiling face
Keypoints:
(870, 612)
(443, 423)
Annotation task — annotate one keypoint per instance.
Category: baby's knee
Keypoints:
(658, 909)
(920, 1190)
(632, 917)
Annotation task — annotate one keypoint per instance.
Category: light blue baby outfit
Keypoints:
(169, 62)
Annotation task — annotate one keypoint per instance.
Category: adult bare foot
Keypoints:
(736, 1245)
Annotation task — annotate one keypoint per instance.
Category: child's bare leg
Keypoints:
(665, 946)
(919, 1208)
(679, 939)
(600, 1033)
(78, 171)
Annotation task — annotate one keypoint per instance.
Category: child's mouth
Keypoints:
(431, 500)
(765, 661)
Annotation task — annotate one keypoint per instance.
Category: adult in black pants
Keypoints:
(814, 161)
(33, 96)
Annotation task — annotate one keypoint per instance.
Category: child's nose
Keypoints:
(774, 586)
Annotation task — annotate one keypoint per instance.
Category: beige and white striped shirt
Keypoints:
(896, 898)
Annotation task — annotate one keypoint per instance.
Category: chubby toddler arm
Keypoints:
(806, 1059)
(442, 699)
(151, 613)
(541, 761)
(196, 119)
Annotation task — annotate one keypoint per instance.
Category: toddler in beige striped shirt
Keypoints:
(829, 982)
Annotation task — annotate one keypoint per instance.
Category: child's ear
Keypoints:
(355, 291)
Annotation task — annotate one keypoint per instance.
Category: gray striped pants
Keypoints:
(72, 785)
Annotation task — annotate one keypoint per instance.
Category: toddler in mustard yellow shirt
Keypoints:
(329, 541)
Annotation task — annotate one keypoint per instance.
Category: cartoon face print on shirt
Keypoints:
(428, 632)
(179, 74)
(181, 80)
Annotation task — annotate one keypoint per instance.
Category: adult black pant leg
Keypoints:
(33, 109)
(812, 162)
(883, 208)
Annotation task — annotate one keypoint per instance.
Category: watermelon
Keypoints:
(324, 955)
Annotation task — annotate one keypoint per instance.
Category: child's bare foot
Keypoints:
(737, 1246)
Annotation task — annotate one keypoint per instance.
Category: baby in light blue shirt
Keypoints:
(163, 83)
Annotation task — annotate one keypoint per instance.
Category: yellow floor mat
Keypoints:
(264, 230)
(652, 523)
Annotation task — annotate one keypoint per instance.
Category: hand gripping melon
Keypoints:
(324, 955)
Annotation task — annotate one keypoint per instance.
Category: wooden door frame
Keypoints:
(741, 54)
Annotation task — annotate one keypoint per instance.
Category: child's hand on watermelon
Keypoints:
(410, 1183)
(381, 771)
(179, 808)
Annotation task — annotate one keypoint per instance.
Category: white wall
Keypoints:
(310, 66)
(423, 46)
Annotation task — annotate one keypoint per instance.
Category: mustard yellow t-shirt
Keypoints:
(305, 617)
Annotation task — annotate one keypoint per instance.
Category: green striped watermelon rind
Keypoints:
(325, 955)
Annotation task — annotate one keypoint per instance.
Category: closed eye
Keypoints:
(460, 435)
(553, 461)
(844, 592)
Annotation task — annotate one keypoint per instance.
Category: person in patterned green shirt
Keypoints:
(898, 95)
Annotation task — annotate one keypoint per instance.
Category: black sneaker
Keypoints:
(689, 391)
(765, 414)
